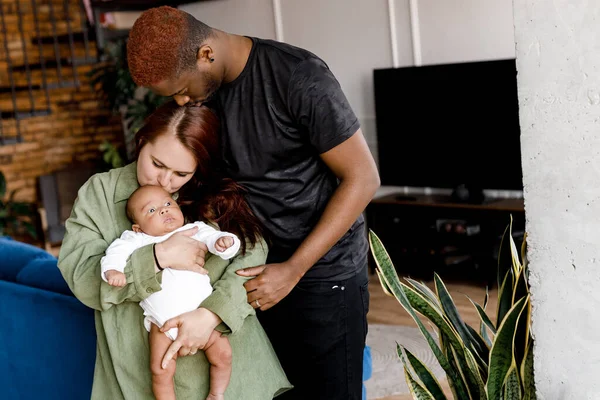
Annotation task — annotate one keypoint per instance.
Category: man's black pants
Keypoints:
(319, 332)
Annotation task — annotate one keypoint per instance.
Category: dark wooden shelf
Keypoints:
(411, 227)
(516, 205)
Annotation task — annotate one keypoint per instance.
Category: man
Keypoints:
(290, 137)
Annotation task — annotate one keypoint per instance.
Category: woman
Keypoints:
(176, 150)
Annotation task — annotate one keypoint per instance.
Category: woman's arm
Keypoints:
(229, 299)
(118, 253)
(227, 304)
(84, 245)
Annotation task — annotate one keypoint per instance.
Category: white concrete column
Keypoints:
(558, 59)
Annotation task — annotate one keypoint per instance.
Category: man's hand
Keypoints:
(115, 278)
(272, 283)
(182, 252)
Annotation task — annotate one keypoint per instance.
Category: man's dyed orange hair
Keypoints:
(163, 42)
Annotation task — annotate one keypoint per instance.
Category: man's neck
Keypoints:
(238, 50)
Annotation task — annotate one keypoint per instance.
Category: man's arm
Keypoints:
(353, 164)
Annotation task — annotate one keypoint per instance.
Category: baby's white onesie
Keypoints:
(182, 291)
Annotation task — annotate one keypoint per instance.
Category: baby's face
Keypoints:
(155, 212)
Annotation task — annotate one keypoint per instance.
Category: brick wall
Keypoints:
(77, 122)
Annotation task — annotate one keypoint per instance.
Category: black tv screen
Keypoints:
(445, 125)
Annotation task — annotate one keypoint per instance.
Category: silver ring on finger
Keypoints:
(257, 303)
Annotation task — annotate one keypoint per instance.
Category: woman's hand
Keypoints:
(194, 328)
(182, 252)
(272, 283)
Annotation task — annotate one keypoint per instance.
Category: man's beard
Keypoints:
(212, 86)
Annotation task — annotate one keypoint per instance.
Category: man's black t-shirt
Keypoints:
(276, 117)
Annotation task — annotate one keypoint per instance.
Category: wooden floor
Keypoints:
(386, 310)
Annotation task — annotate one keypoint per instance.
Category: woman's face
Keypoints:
(166, 163)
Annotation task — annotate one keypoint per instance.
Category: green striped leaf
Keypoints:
(466, 377)
(426, 376)
(501, 355)
(512, 387)
(448, 353)
(520, 290)
(425, 291)
(384, 286)
(479, 378)
(524, 252)
(516, 264)
(421, 305)
(504, 254)
(522, 333)
(468, 341)
(483, 316)
(450, 310)
(481, 353)
(418, 392)
(485, 319)
(527, 377)
(505, 295)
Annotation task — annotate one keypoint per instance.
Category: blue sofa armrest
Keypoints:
(31, 266)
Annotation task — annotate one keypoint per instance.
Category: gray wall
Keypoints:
(558, 59)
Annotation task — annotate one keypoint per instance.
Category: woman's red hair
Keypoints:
(209, 195)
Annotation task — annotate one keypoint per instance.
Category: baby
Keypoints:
(155, 217)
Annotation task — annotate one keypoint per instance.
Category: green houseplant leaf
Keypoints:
(425, 375)
(527, 375)
(502, 353)
(512, 387)
(418, 391)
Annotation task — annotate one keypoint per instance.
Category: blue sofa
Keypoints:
(47, 337)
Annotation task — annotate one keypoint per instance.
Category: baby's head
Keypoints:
(153, 211)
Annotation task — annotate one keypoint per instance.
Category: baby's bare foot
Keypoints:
(216, 397)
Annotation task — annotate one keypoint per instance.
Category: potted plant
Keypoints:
(491, 362)
(16, 217)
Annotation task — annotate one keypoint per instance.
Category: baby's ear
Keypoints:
(136, 228)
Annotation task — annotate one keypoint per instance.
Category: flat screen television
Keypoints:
(447, 125)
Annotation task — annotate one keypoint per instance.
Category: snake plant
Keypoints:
(493, 361)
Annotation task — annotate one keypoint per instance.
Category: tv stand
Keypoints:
(435, 233)
(468, 194)
(401, 197)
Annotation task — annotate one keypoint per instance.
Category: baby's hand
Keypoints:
(115, 278)
(223, 243)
